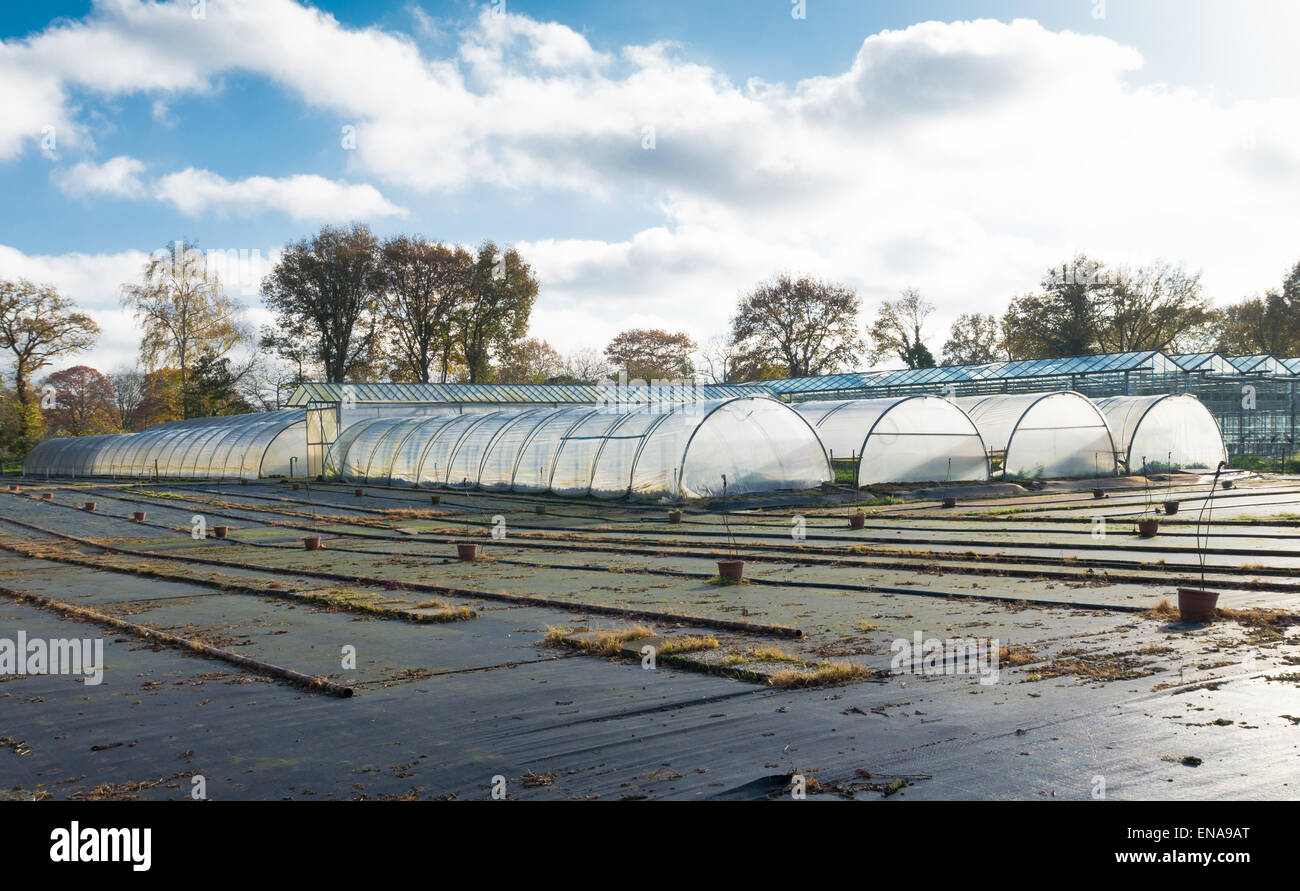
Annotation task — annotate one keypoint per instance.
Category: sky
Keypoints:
(655, 160)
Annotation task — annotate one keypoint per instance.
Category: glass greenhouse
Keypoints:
(757, 443)
(1037, 435)
(903, 439)
(1163, 432)
(250, 446)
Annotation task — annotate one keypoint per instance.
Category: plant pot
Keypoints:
(138, 516)
(1195, 605)
(15, 488)
(857, 521)
(731, 569)
(541, 509)
(435, 499)
(1227, 484)
(220, 531)
(358, 492)
(467, 553)
(674, 516)
(1098, 493)
(1148, 527)
(48, 496)
(950, 502)
(1171, 507)
(89, 505)
(243, 482)
(297, 486)
(312, 543)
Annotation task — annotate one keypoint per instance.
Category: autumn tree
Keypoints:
(1063, 317)
(651, 354)
(83, 403)
(1267, 324)
(805, 325)
(530, 361)
(1153, 307)
(975, 339)
(899, 330)
(495, 314)
(424, 284)
(183, 310)
(37, 326)
(325, 292)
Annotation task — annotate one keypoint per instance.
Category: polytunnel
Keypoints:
(648, 451)
(1163, 432)
(904, 439)
(1061, 434)
(268, 444)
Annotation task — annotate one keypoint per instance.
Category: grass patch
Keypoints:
(819, 675)
(692, 643)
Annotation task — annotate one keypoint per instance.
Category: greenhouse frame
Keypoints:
(745, 444)
(901, 439)
(1043, 435)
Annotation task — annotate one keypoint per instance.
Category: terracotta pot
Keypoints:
(48, 496)
(297, 486)
(950, 502)
(220, 531)
(1148, 527)
(857, 521)
(1171, 507)
(358, 492)
(674, 516)
(89, 505)
(731, 569)
(312, 543)
(435, 499)
(541, 509)
(1195, 605)
(15, 488)
(243, 482)
(1098, 493)
(467, 553)
(138, 516)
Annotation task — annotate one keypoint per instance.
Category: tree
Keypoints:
(325, 295)
(212, 389)
(975, 339)
(424, 284)
(161, 398)
(1267, 324)
(1154, 307)
(83, 403)
(899, 330)
(485, 326)
(1064, 318)
(37, 326)
(530, 361)
(651, 354)
(183, 310)
(585, 365)
(128, 393)
(807, 325)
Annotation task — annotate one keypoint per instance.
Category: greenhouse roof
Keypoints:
(1292, 364)
(1215, 363)
(1262, 364)
(389, 393)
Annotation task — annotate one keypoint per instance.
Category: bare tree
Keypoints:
(899, 330)
(424, 284)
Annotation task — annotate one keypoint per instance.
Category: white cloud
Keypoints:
(118, 177)
(301, 197)
(961, 158)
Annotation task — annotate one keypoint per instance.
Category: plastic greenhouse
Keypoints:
(684, 450)
(902, 439)
(249, 446)
(1165, 432)
(1060, 434)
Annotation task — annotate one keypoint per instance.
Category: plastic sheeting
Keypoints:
(906, 439)
(269, 444)
(683, 450)
(1041, 435)
(1165, 432)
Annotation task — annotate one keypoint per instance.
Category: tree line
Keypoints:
(349, 306)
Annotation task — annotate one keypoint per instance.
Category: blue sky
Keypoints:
(953, 155)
